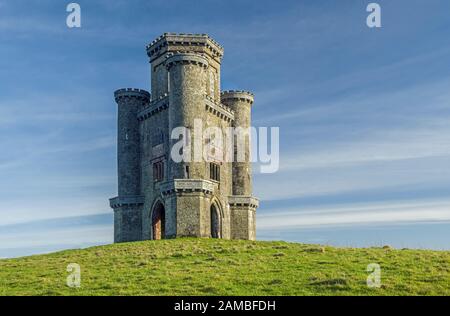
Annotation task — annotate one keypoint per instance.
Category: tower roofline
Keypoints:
(237, 95)
(132, 93)
(181, 58)
(185, 42)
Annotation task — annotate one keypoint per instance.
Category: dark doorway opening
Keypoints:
(159, 222)
(215, 222)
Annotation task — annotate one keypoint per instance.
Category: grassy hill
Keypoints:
(221, 267)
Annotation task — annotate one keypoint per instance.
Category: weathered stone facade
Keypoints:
(158, 197)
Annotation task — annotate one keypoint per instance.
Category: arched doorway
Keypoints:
(158, 221)
(215, 222)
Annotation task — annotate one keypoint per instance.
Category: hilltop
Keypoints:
(223, 267)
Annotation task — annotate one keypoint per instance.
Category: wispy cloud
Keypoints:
(354, 177)
(405, 212)
(55, 234)
(431, 139)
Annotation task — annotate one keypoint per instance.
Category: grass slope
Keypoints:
(221, 267)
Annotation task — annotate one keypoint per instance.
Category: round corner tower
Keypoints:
(129, 102)
(128, 205)
(242, 203)
(241, 103)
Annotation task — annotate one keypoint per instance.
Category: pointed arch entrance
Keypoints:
(216, 229)
(158, 221)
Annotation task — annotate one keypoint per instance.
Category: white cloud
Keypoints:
(100, 234)
(386, 213)
(27, 209)
(386, 176)
(426, 141)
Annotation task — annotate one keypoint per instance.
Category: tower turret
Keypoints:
(129, 102)
(242, 204)
(241, 102)
(172, 43)
(128, 205)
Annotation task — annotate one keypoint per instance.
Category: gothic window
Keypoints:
(158, 171)
(214, 171)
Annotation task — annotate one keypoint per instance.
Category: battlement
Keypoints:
(240, 200)
(237, 95)
(182, 42)
(186, 58)
(154, 107)
(139, 94)
(188, 185)
(220, 110)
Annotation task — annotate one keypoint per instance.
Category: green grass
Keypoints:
(221, 267)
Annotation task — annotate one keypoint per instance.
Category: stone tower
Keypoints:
(157, 196)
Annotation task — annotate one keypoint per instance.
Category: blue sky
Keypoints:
(363, 114)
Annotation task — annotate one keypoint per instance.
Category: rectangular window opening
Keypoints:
(214, 171)
(158, 171)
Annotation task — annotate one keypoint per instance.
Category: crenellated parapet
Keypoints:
(220, 110)
(237, 95)
(173, 42)
(243, 201)
(188, 185)
(126, 201)
(186, 58)
(139, 94)
(155, 106)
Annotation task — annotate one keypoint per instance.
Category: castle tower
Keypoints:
(243, 205)
(241, 102)
(163, 198)
(128, 205)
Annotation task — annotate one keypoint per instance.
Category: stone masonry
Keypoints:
(158, 197)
